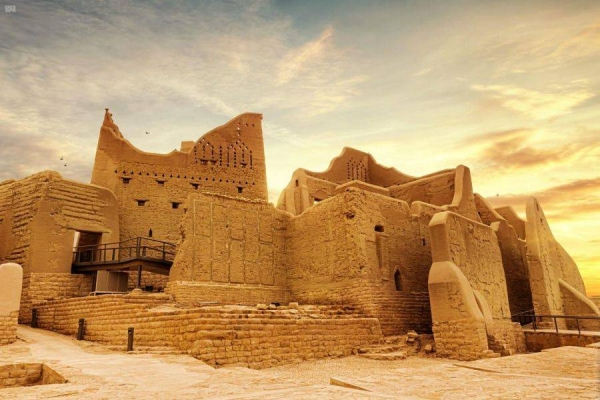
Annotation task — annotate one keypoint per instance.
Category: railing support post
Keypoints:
(130, 339)
(555, 325)
(80, 329)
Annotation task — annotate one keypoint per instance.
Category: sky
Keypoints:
(510, 89)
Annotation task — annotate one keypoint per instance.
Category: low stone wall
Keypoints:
(540, 340)
(505, 337)
(461, 339)
(28, 374)
(157, 281)
(191, 293)
(8, 327)
(217, 335)
(41, 287)
(398, 312)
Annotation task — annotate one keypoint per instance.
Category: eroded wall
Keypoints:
(11, 281)
(232, 247)
(468, 292)
(218, 335)
(151, 188)
(549, 264)
(348, 250)
(39, 216)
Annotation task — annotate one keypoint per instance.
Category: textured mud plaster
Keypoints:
(228, 160)
(473, 248)
(549, 264)
(454, 308)
(516, 270)
(40, 215)
(11, 281)
(234, 241)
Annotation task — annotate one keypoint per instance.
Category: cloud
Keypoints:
(423, 72)
(583, 44)
(62, 64)
(525, 148)
(304, 57)
(570, 201)
(535, 104)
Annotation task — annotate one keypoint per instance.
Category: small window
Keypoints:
(195, 186)
(175, 204)
(378, 228)
(297, 183)
(126, 181)
(161, 183)
(240, 189)
(423, 242)
(398, 281)
(141, 203)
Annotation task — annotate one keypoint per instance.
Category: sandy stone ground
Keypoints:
(95, 372)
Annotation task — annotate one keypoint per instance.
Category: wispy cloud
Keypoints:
(583, 44)
(528, 148)
(305, 57)
(569, 201)
(535, 104)
(423, 72)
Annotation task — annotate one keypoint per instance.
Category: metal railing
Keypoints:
(529, 317)
(130, 249)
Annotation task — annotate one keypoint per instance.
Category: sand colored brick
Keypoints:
(11, 280)
(364, 249)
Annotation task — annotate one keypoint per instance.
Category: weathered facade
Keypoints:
(410, 253)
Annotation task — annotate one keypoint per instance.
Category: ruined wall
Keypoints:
(467, 289)
(354, 249)
(157, 281)
(510, 215)
(459, 325)
(217, 335)
(516, 270)
(230, 241)
(151, 188)
(549, 264)
(41, 287)
(435, 189)
(307, 187)
(473, 248)
(11, 277)
(39, 216)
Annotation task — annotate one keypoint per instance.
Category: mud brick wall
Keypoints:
(460, 339)
(27, 374)
(505, 337)
(222, 335)
(157, 281)
(230, 240)
(538, 341)
(41, 287)
(8, 328)
(152, 188)
(189, 293)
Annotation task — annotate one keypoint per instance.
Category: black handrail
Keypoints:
(535, 319)
(140, 247)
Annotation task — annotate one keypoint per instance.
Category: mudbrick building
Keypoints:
(347, 256)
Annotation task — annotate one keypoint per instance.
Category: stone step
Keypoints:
(380, 348)
(396, 355)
